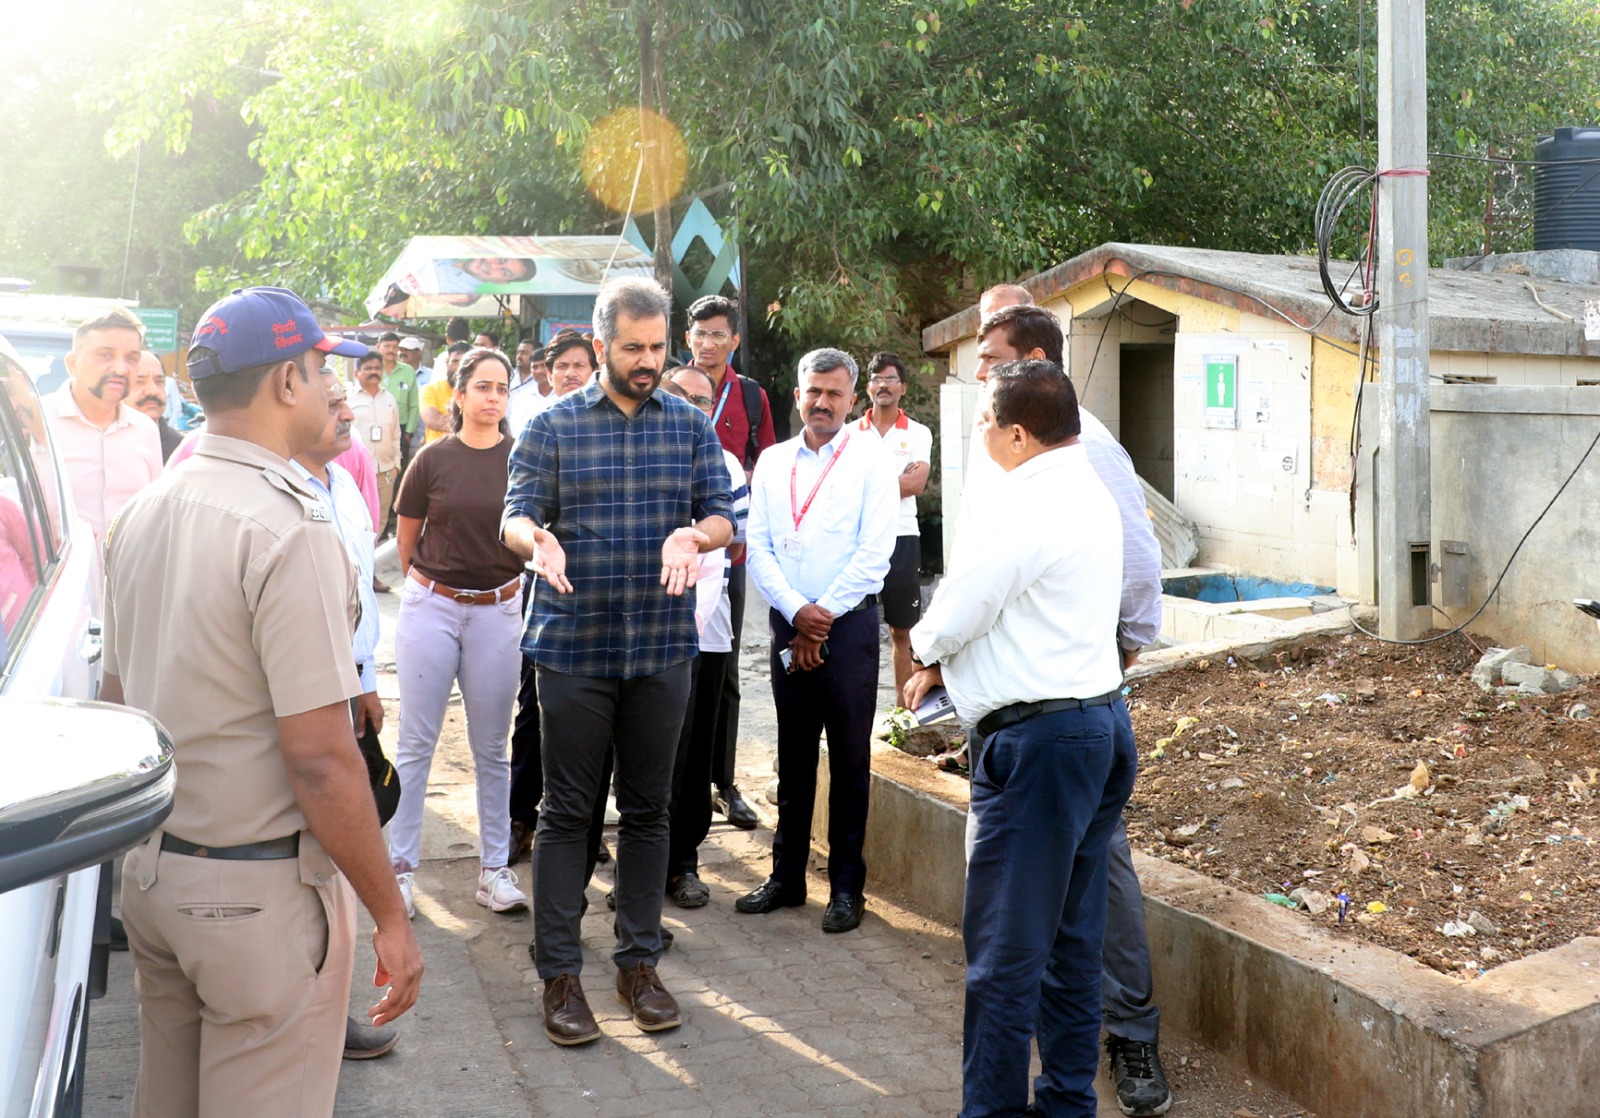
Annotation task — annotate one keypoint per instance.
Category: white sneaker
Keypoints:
(497, 890)
(407, 882)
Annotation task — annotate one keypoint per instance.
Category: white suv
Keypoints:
(82, 781)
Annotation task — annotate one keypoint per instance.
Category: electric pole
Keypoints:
(1405, 521)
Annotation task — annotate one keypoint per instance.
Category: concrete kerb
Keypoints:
(1347, 1028)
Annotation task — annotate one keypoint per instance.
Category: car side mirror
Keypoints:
(84, 782)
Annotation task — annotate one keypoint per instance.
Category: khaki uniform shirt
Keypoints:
(377, 421)
(230, 602)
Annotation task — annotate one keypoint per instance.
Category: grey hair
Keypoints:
(637, 298)
(826, 361)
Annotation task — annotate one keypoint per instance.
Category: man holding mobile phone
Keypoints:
(821, 536)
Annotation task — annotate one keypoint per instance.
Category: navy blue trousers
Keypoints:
(1046, 795)
(841, 696)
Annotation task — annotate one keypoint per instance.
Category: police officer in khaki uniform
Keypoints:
(230, 605)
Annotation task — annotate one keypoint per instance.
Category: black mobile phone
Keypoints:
(1589, 606)
(786, 657)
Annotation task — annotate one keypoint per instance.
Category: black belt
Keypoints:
(997, 720)
(865, 603)
(272, 849)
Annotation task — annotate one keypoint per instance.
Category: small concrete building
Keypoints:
(1234, 388)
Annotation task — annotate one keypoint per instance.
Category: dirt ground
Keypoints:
(1458, 824)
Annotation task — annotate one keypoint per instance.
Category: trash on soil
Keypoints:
(1330, 698)
(1376, 834)
(1377, 908)
(1313, 901)
(1344, 904)
(1280, 900)
(1578, 711)
(1457, 928)
(1359, 862)
(1482, 924)
(1231, 783)
(1419, 777)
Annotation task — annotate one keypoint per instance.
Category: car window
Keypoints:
(29, 535)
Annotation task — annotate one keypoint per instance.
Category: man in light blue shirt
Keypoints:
(821, 536)
(354, 522)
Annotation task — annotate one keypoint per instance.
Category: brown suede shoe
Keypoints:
(567, 1019)
(641, 991)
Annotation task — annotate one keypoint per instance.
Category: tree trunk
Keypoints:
(652, 111)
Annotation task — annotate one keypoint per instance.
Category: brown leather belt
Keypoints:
(471, 597)
(271, 850)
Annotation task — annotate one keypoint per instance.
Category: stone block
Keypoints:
(1529, 677)
(1488, 670)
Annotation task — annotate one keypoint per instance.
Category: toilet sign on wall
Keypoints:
(1222, 389)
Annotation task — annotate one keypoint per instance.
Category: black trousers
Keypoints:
(587, 722)
(726, 743)
(691, 775)
(841, 696)
(527, 764)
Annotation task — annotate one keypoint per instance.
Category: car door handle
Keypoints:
(92, 645)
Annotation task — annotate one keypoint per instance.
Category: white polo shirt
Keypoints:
(905, 443)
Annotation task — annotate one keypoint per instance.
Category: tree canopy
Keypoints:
(880, 158)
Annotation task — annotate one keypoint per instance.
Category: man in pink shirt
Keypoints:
(110, 450)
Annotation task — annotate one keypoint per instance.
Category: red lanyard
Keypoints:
(794, 472)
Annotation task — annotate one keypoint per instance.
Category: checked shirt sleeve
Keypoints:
(535, 469)
(711, 491)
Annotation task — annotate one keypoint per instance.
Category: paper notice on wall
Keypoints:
(1255, 404)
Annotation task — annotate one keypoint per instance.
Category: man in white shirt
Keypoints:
(1022, 633)
(354, 522)
(909, 446)
(704, 724)
(1014, 329)
(378, 423)
(821, 534)
(531, 391)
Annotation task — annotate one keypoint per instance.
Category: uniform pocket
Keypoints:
(412, 591)
(220, 911)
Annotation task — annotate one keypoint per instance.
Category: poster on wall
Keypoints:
(1257, 403)
(1222, 389)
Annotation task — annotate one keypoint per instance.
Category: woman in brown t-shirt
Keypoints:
(460, 621)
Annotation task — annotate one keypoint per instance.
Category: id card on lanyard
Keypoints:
(790, 544)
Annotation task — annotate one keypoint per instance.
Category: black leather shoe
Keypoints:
(844, 912)
(736, 809)
(768, 897)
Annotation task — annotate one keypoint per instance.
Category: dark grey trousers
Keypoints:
(1126, 988)
(580, 717)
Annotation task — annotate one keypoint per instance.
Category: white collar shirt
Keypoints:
(1139, 622)
(840, 550)
(354, 521)
(906, 443)
(1032, 613)
(526, 402)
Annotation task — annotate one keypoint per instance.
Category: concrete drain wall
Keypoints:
(1348, 1029)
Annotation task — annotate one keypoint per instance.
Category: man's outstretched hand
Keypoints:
(680, 559)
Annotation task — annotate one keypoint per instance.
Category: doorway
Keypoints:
(1146, 412)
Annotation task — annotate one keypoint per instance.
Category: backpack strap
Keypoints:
(752, 412)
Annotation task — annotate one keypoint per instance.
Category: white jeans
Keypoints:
(438, 642)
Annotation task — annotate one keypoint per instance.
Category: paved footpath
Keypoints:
(780, 1019)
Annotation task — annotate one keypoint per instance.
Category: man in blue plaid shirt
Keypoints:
(614, 492)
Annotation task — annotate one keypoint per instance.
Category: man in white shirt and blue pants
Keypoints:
(821, 535)
(1023, 634)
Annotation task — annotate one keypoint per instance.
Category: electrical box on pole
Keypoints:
(1405, 522)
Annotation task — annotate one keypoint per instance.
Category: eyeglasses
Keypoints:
(705, 403)
(883, 380)
(718, 336)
